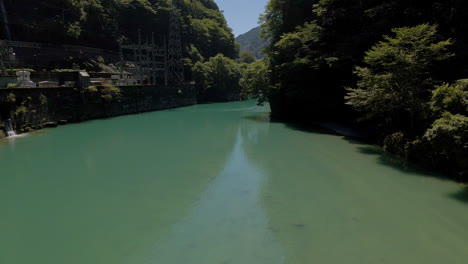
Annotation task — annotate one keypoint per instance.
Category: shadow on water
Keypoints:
(461, 196)
(366, 145)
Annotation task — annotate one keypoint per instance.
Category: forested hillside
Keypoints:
(101, 23)
(330, 38)
(399, 65)
(253, 42)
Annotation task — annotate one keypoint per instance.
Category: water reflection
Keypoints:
(228, 225)
(11, 141)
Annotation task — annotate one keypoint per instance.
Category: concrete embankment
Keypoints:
(31, 108)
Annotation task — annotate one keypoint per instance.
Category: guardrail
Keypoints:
(35, 45)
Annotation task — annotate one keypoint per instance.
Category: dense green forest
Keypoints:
(101, 23)
(253, 42)
(398, 65)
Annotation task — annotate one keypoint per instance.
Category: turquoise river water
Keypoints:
(219, 184)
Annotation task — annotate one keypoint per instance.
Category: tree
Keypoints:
(272, 20)
(345, 29)
(218, 79)
(110, 93)
(246, 57)
(255, 81)
(102, 23)
(444, 146)
(450, 98)
(396, 82)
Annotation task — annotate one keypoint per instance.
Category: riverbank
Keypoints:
(34, 108)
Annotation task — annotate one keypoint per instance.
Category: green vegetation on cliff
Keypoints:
(101, 23)
(317, 44)
(104, 23)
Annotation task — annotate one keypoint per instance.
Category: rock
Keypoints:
(51, 124)
(63, 122)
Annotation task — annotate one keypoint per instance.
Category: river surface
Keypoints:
(219, 184)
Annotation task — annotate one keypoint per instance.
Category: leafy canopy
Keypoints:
(255, 81)
(397, 76)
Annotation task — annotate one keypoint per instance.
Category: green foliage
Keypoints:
(43, 100)
(255, 81)
(12, 85)
(292, 51)
(16, 70)
(396, 143)
(90, 90)
(272, 20)
(11, 98)
(195, 55)
(74, 30)
(218, 78)
(67, 70)
(110, 93)
(21, 111)
(450, 98)
(448, 138)
(2, 131)
(102, 23)
(396, 78)
(101, 60)
(210, 36)
(246, 57)
(313, 76)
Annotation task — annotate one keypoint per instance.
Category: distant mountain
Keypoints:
(252, 42)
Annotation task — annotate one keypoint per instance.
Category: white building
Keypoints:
(23, 78)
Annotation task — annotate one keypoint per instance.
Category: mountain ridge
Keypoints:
(253, 42)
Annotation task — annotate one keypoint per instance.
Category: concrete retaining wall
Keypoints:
(40, 105)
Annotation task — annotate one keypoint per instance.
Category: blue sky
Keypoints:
(242, 15)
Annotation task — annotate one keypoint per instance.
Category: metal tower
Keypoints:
(148, 60)
(174, 56)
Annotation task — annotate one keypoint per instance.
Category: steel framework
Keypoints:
(175, 64)
(148, 60)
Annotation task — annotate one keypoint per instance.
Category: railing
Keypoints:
(35, 45)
